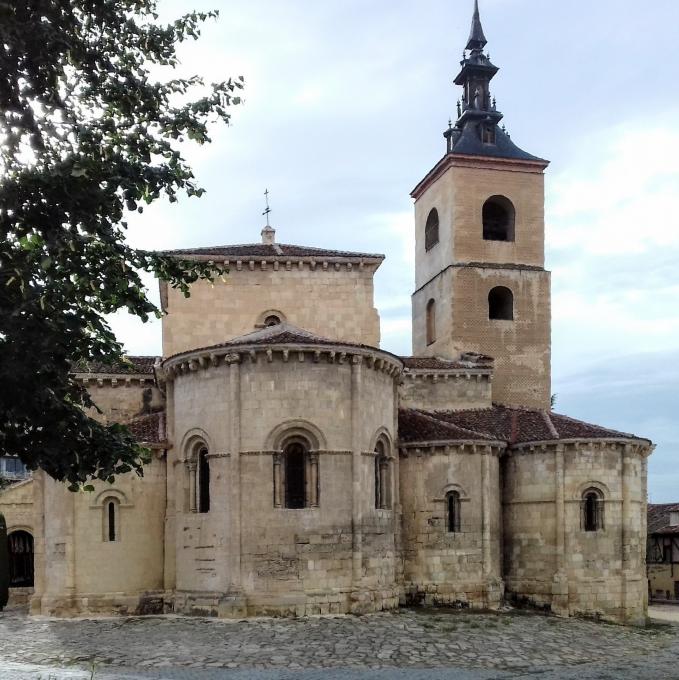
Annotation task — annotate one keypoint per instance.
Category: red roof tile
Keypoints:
(131, 365)
(149, 429)
(659, 518)
(477, 361)
(515, 425)
(420, 426)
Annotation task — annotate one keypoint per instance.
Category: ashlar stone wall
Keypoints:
(437, 390)
(550, 559)
(77, 568)
(250, 554)
(331, 299)
(461, 567)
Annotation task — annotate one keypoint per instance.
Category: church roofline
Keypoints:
(259, 252)
(450, 160)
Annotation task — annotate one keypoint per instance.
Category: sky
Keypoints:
(344, 108)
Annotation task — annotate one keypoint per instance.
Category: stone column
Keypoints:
(191, 467)
(356, 461)
(313, 479)
(233, 360)
(560, 580)
(277, 480)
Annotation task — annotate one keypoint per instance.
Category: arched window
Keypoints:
(203, 481)
(20, 544)
(295, 479)
(453, 512)
(431, 322)
(501, 304)
(272, 320)
(111, 509)
(382, 477)
(498, 219)
(592, 510)
(431, 230)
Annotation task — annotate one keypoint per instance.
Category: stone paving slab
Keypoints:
(422, 644)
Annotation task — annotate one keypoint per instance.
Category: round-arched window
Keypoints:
(431, 230)
(272, 320)
(498, 219)
(501, 304)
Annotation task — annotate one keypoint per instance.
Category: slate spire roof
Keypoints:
(477, 39)
(477, 130)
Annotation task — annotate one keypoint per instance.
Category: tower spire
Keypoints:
(477, 39)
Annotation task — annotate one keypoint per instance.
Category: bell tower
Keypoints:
(480, 280)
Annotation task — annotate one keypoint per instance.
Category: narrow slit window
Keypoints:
(111, 521)
(431, 322)
(453, 509)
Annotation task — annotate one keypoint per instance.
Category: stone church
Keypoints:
(299, 469)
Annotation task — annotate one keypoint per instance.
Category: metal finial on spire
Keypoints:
(477, 39)
(268, 209)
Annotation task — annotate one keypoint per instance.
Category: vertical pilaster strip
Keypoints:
(560, 537)
(170, 552)
(626, 527)
(39, 542)
(486, 519)
(356, 428)
(643, 536)
(233, 360)
(560, 581)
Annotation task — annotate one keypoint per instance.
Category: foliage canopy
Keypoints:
(91, 126)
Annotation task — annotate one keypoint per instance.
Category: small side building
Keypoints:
(662, 555)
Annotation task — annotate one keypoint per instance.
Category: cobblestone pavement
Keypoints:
(423, 645)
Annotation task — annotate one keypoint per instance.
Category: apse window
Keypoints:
(111, 520)
(203, 481)
(592, 510)
(501, 304)
(453, 511)
(498, 219)
(295, 476)
(431, 230)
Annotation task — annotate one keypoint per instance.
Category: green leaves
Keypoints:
(89, 134)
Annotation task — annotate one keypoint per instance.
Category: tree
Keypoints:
(89, 132)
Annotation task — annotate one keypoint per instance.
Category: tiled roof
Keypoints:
(271, 250)
(516, 425)
(441, 364)
(284, 334)
(659, 518)
(469, 144)
(131, 365)
(149, 429)
(420, 426)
